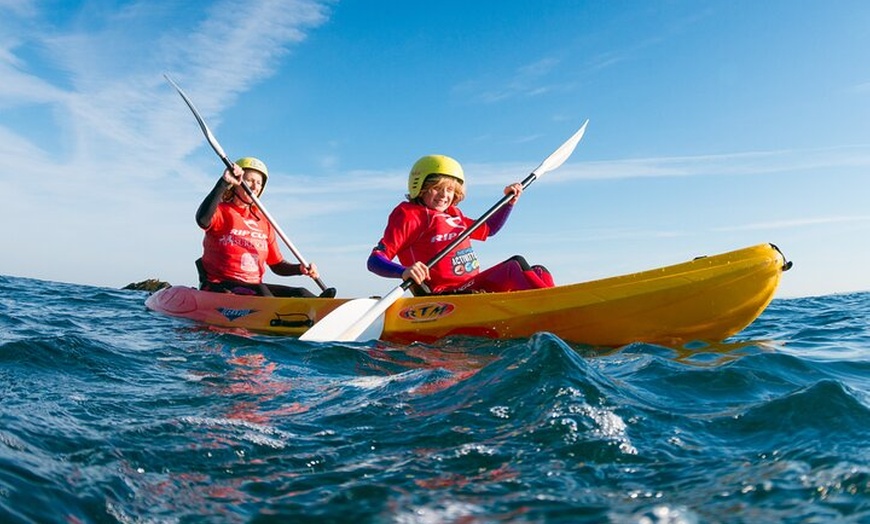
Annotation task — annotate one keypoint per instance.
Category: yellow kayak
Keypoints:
(706, 299)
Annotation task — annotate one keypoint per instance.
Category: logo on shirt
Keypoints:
(454, 221)
(464, 262)
(249, 263)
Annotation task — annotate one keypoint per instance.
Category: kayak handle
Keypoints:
(280, 321)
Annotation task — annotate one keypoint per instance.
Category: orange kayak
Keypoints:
(708, 299)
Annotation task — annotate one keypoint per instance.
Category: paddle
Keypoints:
(220, 152)
(362, 319)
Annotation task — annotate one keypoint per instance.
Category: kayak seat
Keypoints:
(262, 289)
(200, 271)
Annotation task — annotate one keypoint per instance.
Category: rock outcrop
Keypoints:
(152, 285)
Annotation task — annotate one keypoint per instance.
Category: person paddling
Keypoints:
(429, 220)
(239, 242)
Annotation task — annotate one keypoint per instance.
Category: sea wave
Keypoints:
(112, 413)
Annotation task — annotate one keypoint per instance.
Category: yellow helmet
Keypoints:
(256, 164)
(432, 165)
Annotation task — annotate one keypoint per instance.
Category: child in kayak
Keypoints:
(239, 241)
(430, 220)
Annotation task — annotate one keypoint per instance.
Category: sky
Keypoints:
(713, 125)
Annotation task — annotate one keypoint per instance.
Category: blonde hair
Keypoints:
(436, 181)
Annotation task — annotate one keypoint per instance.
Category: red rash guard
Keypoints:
(238, 245)
(415, 232)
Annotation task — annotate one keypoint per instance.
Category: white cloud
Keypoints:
(123, 129)
(860, 88)
(496, 174)
(737, 164)
(796, 223)
(118, 112)
(18, 7)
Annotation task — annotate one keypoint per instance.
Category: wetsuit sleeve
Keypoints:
(286, 269)
(380, 265)
(498, 219)
(209, 205)
(403, 225)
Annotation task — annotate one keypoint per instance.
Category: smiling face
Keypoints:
(254, 179)
(440, 192)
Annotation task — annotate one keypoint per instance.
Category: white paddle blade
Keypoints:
(561, 155)
(329, 327)
(372, 332)
(202, 125)
(355, 321)
(362, 329)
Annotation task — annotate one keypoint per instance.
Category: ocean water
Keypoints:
(112, 413)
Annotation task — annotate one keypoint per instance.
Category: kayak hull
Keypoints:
(707, 299)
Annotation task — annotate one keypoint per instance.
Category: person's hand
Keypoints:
(516, 189)
(311, 270)
(234, 177)
(418, 272)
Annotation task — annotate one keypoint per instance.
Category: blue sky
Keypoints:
(714, 125)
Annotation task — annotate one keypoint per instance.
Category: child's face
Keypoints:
(439, 196)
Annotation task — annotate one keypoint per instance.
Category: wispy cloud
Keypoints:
(796, 223)
(376, 183)
(540, 76)
(863, 88)
(111, 102)
(737, 164)
(532, 79)
(101, 144)
(229, 52)
(18, 7)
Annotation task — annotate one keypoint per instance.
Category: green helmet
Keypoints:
(256, 164)
(432, 165)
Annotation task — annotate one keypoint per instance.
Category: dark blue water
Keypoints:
(112, 413)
